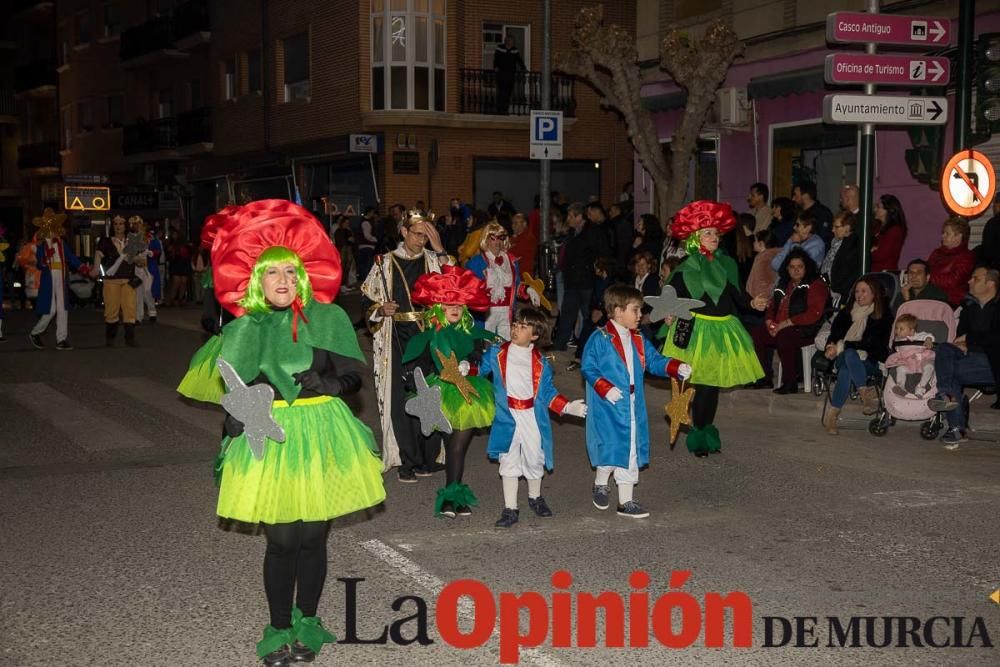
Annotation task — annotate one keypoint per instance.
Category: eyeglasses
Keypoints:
(497, 237)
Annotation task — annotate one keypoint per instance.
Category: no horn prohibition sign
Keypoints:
(968, 183)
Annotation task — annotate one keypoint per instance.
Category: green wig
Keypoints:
(254, 300)
(435, 317)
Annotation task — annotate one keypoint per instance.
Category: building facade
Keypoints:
(188, 106)
(768, 125)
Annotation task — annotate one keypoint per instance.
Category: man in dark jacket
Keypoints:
(506, 62)
(586, 243)
(974, 358)
(804, 196)
(916, 284)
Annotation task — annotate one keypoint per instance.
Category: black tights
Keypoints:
(455, 450)
(296, 553)
(703, 405)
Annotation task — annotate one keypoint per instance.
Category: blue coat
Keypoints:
(547, 397)
(44, 301)
(603, 367)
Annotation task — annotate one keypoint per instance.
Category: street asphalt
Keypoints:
(111, 555)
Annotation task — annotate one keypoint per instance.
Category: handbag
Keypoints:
(682, 333)
(821, 364)
(134, 282)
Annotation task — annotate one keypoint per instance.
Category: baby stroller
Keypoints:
(935, 318)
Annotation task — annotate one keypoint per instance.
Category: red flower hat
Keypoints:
(454, 285)
(702, 214)
(239, 234)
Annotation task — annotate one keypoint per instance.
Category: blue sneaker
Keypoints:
(600, 497)
(953, 437)
(507, 518)
(633, 510)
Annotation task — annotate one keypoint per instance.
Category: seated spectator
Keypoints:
(794, 314)
(842, 264)
(952, 262)
(988, 252)
(890, 233)
(760, 282)
(803, 237)
(804, 196)
(783, 222)
(858, 341)
(915, 284)
(974, 358)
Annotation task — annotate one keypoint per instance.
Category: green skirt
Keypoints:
(327, 467)
(461, 415)
(720, 352)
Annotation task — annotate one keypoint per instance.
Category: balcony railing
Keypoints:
(194, 127)
(36, 75)
(191, 18)
(150, 136)
(38, 156)
(153, 35)
(480, 93)
(8, 106)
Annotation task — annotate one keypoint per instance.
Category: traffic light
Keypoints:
(988, 83)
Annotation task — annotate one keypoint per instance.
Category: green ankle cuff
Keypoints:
(274, 639)
(457, 494)
(310, 631)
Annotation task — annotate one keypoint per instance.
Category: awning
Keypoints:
(666, 102)
(782, 84)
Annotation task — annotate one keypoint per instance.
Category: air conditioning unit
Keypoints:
(731, 107)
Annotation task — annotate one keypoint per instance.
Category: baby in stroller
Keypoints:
(910, 380)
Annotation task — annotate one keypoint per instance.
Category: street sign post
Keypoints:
(884, 70)
(80, 198)
(546, 135)
(968, 183)
(894, 29)
(841, 109)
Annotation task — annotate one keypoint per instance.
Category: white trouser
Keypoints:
(498, 321)
(144, 300)
(525, 457)
(628, 475)
(57, 309)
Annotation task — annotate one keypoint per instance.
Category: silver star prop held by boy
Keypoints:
(426, 406)
(252, 406)
(669, 304)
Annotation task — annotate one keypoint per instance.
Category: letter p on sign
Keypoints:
(546, 129)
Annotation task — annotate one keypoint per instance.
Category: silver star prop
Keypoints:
(426, 406)
(252, 406)
(134, 245)
(668, 303)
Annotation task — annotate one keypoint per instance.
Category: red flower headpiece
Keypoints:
(702, 214)
(239, 234)
(454, 285)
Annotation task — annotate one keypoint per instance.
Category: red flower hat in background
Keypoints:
(702, 214)
(453, 286)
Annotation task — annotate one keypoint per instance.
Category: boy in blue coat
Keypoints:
(521, 435)
(614, 361)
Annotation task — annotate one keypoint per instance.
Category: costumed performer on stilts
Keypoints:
(275, 269)
(502, 273)
(454, 344)
(714, 341)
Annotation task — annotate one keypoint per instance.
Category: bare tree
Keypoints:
(606, 57)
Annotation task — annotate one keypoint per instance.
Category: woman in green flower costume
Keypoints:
(275, 269)
(714, 342)
(451, 340)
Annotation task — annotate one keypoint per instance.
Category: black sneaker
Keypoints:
(422, 472)
(36, 340)
(406, 476)
(448, 510)
(301, 653)
(507, 518)
(953, 437)
(434, 467)
(280, 657)
(632, 510)
(942, 404)
(2, 339)
(463, 510)
(600, 497)
(152, 320)
(540, 507)
(63, 345)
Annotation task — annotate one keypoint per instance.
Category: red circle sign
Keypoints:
(968, 183)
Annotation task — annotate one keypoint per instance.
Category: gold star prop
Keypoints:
(539, 286)
(450, 373)
(678, 408)
(50, 222)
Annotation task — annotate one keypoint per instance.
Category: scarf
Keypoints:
(830, 256)
(499, 276)
(859, 320)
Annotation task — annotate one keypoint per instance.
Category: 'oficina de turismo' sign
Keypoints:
(887, 70)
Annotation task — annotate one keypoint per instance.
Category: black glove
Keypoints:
(329, 385)
(233, 427)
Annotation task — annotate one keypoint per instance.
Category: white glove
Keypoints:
(613, 396)
(684, 371)
(577, 408)
(463, 367)
(533, 296)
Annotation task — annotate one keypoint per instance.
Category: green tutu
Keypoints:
(327, 466)
(461, 415)
(720, 352)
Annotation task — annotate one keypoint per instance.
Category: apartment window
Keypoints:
(494, 34)
(115, 111)
(164, 103)
(254, 79)
(194, 94)
(229, 79)
(85, 117)
(112, 20)
(408, 54)
(296, 55)
(83, 28)
(66, 121)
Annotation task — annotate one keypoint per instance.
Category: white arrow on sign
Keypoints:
(936, 71)
(937, 31)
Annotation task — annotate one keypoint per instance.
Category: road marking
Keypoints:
(920, 498)
(83, 426)
(167, 400)
(435, 585)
